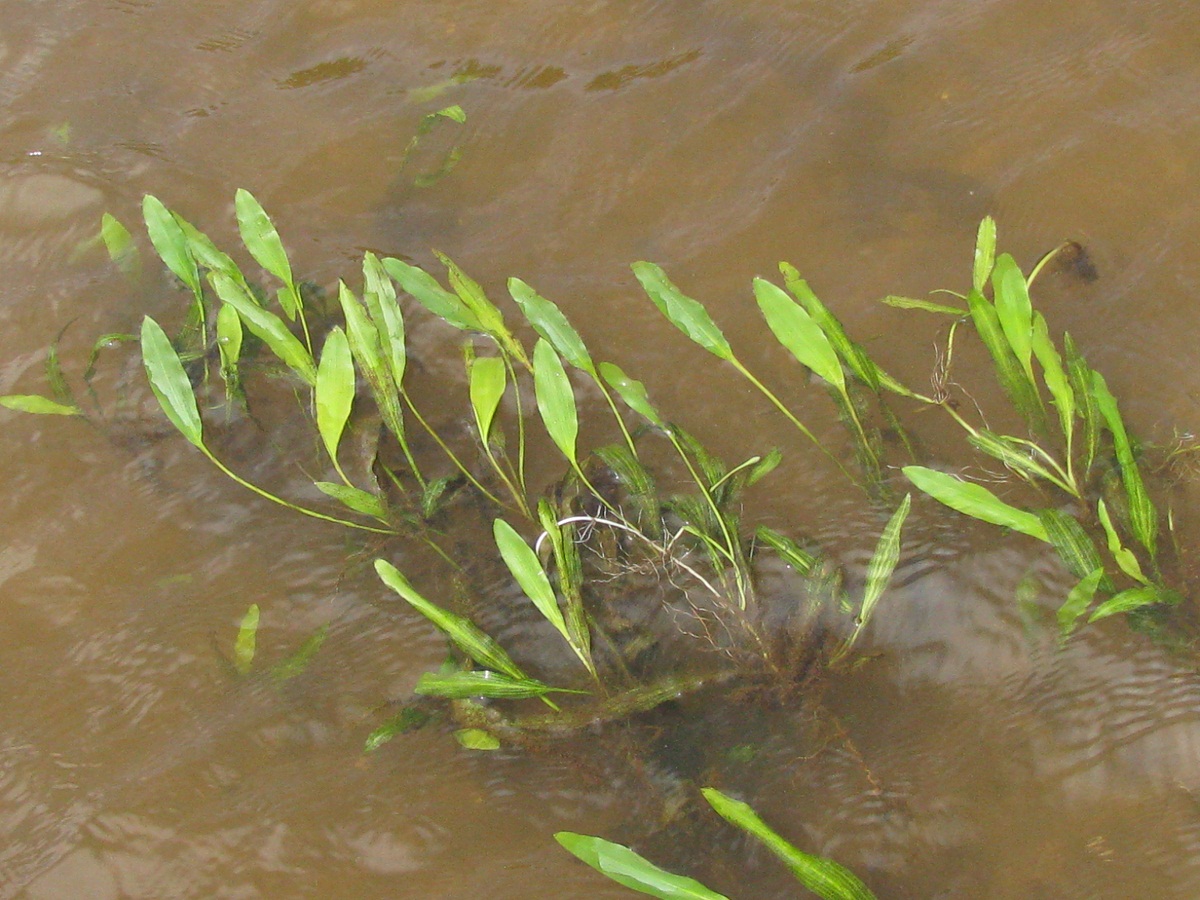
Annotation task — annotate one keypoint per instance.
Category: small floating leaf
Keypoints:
(379, 294)
(1014, 310)
(525, 567)
(38, 405)
(555, 399)
(366, 350)
(247, 636)
(267, 327)
(425, 289)
(170, 383)
(798, 332)
(488, 380)
(633, 392)
(229, 343)
(823, 877)
(335, 390)
(985, 253)
(549, 322)
(170, 242)
(630, 870)
(974, 500)
(262, 240)
(682, 311)
(476, 739)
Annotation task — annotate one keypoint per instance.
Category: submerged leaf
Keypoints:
(974, 500)
(789, 551)
(883, 561)
(1143, 517)
(170, 382)
(852, 354)
(379, 295)
(823, 877)
(38, 405)
(493, 685)
(630, 870)
(1077, 602)
(119, 243)
(1125, 559)
(247, 637)
(298, 661)
(408, 719)
(476, 739)
(1075, 548)
(927, 305)
(682, 311)
(1135, 598)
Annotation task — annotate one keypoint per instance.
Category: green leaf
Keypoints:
(883, 562)
(170, 243)
(206, 254)
(789, 551)
(570, 582)
(229, 342)
(335, 390)
(1143, 517)
(354, 498)
(102, 343)
(1135, 598)
(476, 739)
(170, 383)
(1075, 548)
(267, 327)
(366, 349)
(493, 685)
(379, 295)
(488, 381)
(38, 405)
(550, 323)
(298, 661)
(486, 313)
(852, 354)
(798, 332)
(555, 399)
(927, 305)
(480, 647)
(262, 240)
(528, 571)
(985, 253)
(974, 500)
(630, 870)
(1014, 310)
(408, 719)
(424, 288)
(1080, 378)
(432, 495)
(119, 243)
(1055, 376)
(764, 467)
(1009, 372)
(823, 877)
(243, 647)
(633, 392)
(1125, 559)
(683, 312)
(1077, 602)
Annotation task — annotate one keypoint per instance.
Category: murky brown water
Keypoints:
(860, 140)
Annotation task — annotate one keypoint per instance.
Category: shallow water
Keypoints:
(862, 141)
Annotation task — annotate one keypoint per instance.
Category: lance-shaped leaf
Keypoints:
(119, 243)
(354, 498)
(633, 392)
(1079, 375)
(206, 254)
(365, 348)
(262, 240)
(985, 253)
(493, 685)
(1078, 600)
(1013, 307)
(630, 870)
(488, 380)
(299, 661)
(247, 637)
(799, 333)
(570, 581)
(38, 405)
(1125, 559)
(1055, 376)
(682, 311)
(926, 305)
(170, 243)
(424, 288)
(883, 563)
(229, 343)
(1143, 517)
(789, 551)
(379, 295)
(528, 571)
(480, 647)
(170, 383)
(335, 390)
(852, 354)
(823, 877)
(484, 310)
(974, 500)
(1009, 371)
(550, 323)
(555, 399)
(267, 327)
(1135, 598)
(1075, 548)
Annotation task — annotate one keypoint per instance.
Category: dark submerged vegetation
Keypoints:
(636, 561)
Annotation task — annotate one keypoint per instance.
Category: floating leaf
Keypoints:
(229, 343)
(550, 323)
(683, 312)
(555, 399)
(480, 647)
(633, 392)
(424, 288)
(493, 685)
(985, 253)
(764, 467)
(630, 870)
(335, 390)
(365, 348)
(262, 240)
(247, 636)
(798, 332)
(488, 380)
(1016, 384)
(354, 498)
(267, 327)
(38, 405)
(408, 719)
(974, 500)
(851, 353)
(170, 383)
(1014, 310)
(486, 313)
(476, 739)
(170, 242)
(823, 877)
(1077, 602)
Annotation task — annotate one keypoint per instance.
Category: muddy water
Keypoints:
(862, 141)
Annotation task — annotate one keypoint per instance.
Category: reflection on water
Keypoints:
(861, 141)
